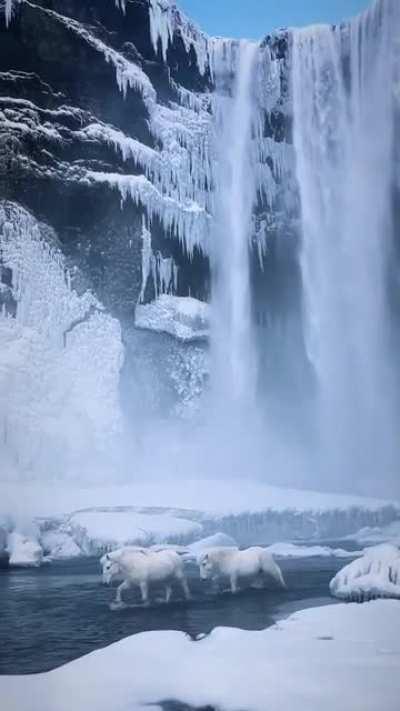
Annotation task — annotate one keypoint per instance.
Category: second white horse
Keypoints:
(141, 567)
(254, 564)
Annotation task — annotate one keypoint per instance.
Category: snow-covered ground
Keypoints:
(343, 657)
(86, 521)
(180, 316)
(375, 574)
(214, 497)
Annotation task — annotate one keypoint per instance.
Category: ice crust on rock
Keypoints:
(217, 540)
(97, 531)
(60, 356)
(58, 545)
(184, 317)
(375, 574)
(25, 551)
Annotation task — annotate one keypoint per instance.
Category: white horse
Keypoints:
(254, 563)
(140, 567)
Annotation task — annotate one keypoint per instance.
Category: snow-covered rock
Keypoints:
(24, 551)
(220, 540)
(343, 657)
(376, 574)
(180, 316)
(96, 531)
(59, 545)
(291, 550)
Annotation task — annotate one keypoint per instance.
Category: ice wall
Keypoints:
(60, 360)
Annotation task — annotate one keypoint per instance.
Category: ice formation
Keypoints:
(25, 551)
(376, 574)
(60, 358)
(98, 531)
(183, 317)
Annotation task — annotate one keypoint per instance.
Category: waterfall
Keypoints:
(233, 347)
(343, 136)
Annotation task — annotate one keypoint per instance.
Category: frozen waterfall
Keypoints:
(343, 80)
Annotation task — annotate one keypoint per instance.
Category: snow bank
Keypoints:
(376, 574)
(290, 550)
(24, 551)
(343, 657)
(378, 534)
(58, 545)
(97, 531)
(217, 540)
(180, 316)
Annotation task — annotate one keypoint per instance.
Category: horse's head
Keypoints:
(206, 566)
(110, 568)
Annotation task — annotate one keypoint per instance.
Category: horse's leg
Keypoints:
(124, 586)
(144, 589)
(168, 592)
(185, 587)
(234, 585)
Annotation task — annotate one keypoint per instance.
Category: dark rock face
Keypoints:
(63, 119)
(54, 84)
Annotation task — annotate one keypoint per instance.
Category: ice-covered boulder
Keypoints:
(25, 552)
(217, 540)
(180, 316)
(376, 574)
(96, 531)
(59, 545)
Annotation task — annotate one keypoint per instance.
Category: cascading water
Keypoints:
(233, 346)
(343, 136)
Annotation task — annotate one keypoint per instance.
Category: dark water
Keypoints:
(54, 614)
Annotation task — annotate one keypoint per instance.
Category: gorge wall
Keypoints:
(110, 147)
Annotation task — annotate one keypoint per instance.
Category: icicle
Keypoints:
(147, 255)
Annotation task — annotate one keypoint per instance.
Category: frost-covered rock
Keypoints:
(220, 540)
(25, 552)
(58, 545)
(183, 317)
(376, 574)
(97, 531)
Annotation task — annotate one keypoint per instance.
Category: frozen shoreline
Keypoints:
(355, 649)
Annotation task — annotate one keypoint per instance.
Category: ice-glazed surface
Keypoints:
(341, 656)
(375, 574)
(96, 531)
(183, 317)
(25, 551)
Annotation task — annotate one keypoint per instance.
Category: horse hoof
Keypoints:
(118, 606)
